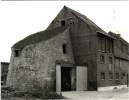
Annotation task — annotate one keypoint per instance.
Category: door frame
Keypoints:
(58, 75)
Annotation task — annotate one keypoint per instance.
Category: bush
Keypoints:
(38, 95)
(8, 92)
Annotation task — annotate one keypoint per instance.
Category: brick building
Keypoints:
(73, 53)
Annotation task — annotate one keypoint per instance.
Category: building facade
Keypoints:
(73, 53)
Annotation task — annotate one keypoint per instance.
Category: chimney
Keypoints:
(119, 35)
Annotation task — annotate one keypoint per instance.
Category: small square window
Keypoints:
(110, 76)
(102, 59)
(102, 76)
(63, 22)
(71, 22)
(117, 76)
(16, 53)
(64, 47)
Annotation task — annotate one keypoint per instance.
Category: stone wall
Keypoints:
(35, 68)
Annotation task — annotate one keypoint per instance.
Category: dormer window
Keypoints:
(63, 22)
(16, 53)
(64, 48)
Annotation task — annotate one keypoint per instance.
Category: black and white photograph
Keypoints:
(77, 50)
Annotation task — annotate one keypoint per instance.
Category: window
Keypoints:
(63, 22)
(122, 75)
(117, 76)
(102, 76)
(110, 60)
(122, 46)
(110, 76)
(110, 46)
(102, 44)
(64, 47)
(110, 63)
(99, 43)
(71, 22)
(16, 53)
(102, 59)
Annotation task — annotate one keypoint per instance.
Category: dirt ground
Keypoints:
(118, 94)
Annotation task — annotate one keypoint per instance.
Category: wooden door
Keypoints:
(81, 76)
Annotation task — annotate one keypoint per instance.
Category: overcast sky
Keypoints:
(20, 19)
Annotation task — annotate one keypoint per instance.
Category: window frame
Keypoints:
(102, 77)
(110, 77)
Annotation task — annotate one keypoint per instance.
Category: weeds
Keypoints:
(8, 93)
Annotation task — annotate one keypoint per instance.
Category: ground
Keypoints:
(117, 94)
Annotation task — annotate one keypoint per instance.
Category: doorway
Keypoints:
(66, 78)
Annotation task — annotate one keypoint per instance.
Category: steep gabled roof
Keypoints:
(85, 19)
(38, 37)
